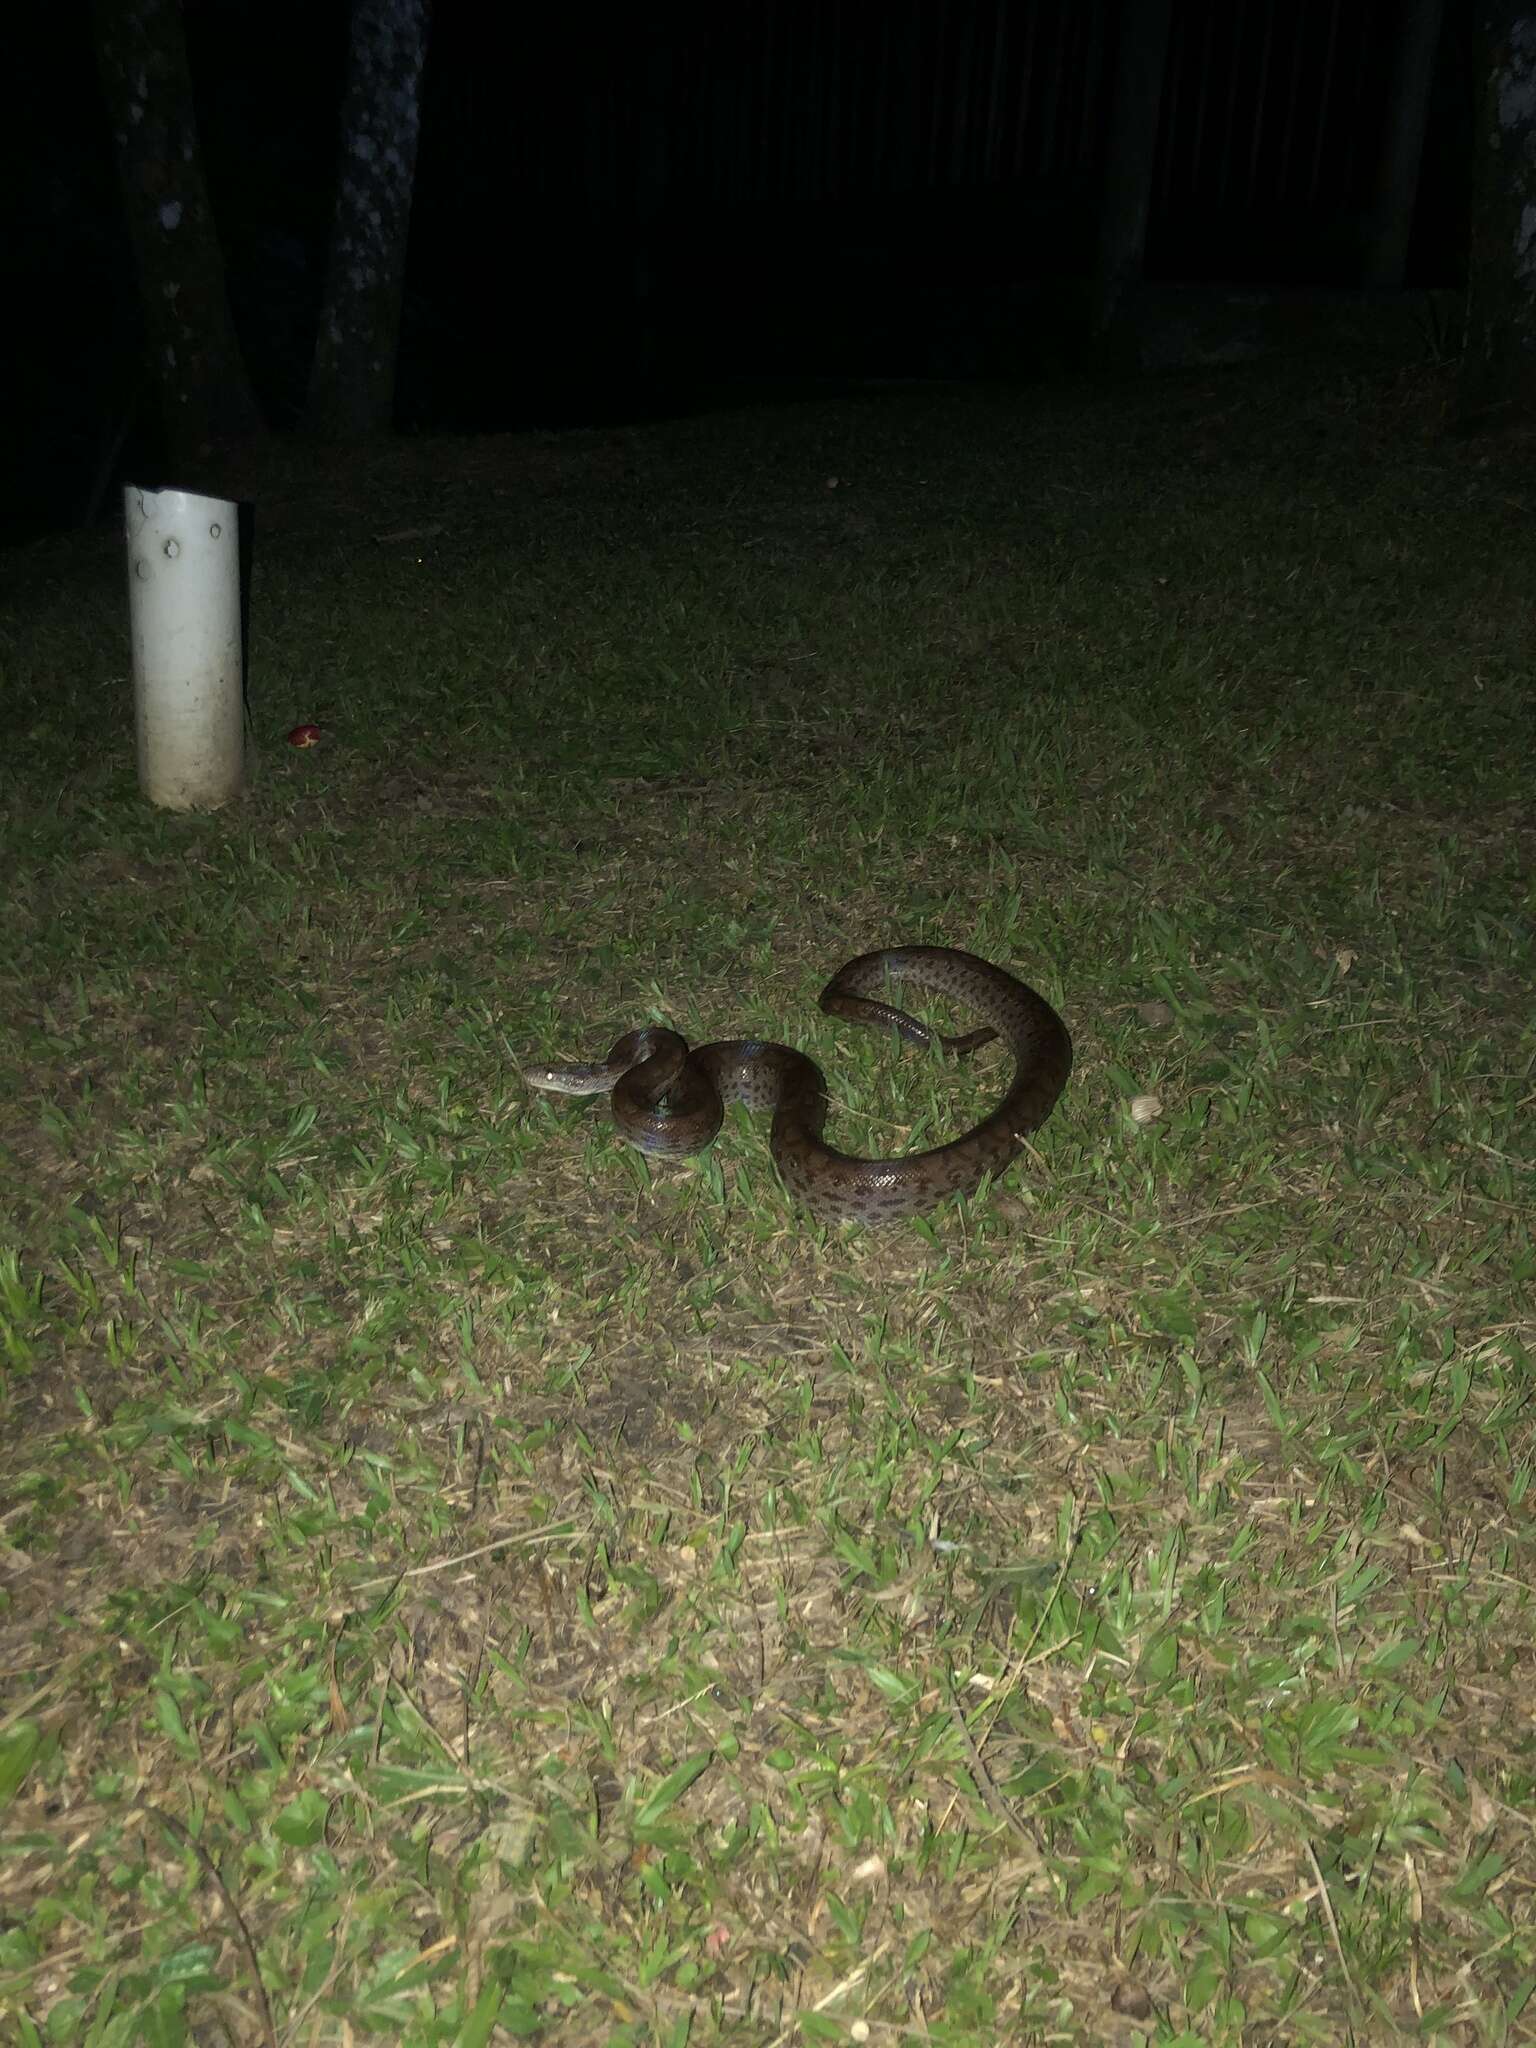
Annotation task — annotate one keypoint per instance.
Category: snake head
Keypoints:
(550, 1080)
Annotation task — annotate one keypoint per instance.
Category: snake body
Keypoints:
(668, 1100)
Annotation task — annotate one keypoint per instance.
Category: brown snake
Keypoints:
(668, 1100)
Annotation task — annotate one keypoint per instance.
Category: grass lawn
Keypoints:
(477, 1586)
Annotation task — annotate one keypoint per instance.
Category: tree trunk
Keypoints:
(193, 357)
(651, 103)
(352, 387)
(1410, 67)
(1135, 107)
(1498, 367)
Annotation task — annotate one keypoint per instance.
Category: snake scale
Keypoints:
(668, 1100)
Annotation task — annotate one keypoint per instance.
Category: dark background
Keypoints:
(627, 211)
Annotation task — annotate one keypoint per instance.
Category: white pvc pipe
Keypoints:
(184, 614)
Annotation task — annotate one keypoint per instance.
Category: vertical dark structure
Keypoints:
(1402, 143)
(191, 351)
(352, 387)
(651, 85)
(1498, 368)
(1135, 105)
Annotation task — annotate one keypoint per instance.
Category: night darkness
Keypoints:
(1004, 523)
(629, 212)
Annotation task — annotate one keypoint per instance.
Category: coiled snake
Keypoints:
(668, 1100)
